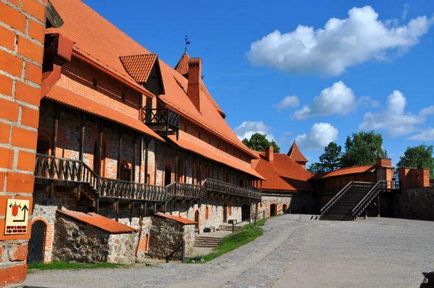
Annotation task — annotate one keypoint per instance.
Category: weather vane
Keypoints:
(187, 42)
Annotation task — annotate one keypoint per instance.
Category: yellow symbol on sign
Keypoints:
(17, 216)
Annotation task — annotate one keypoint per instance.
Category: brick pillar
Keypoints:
(22, 27)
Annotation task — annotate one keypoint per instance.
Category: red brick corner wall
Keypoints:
(22, 27)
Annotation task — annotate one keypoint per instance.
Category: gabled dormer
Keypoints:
(145, 70)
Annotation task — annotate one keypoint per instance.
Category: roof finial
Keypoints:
(187, 42)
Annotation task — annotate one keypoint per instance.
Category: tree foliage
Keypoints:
(363, 148)
(259, 142)
(418, 157)
(330, 160)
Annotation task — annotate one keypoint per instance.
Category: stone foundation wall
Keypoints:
(189, 238)
(279, 201)
(166, 236)
(122, 248)
(300, 203)
(74, 241)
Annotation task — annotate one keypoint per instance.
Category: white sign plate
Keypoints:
(17, 216)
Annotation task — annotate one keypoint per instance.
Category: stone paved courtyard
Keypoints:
(294, 252)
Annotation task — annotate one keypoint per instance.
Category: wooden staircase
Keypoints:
(352, 200)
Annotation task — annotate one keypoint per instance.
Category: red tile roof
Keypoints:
(139, 66)
(178, 219)
(76, 101)
(193, 144)
(97, 39)
(106, 224)
(100, 41)
(283, 174)
(349, 171)
(295, 154)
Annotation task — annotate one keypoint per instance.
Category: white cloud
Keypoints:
(394, 119)
(288, 101)
(341, 43)
(425, 135)
(247, 128)
(319, 136)
(336, 99)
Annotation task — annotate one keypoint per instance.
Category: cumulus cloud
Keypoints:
(425, 135)
(319, 136)
(247, 128)
(336, 99)
(341, 43)
(288, 101)
(394, 119)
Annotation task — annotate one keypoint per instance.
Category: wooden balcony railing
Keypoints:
(161, 119)
(231, 189)
(68, 170)
(112, 188)
(183, 190)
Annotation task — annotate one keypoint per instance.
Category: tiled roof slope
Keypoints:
(139, 66)
(106, 224)
(100, 41)
(349, 171)
(283, 174)
(182, 65)
(193, 144)
(175, 97)
(295, 154)
(181, 220)
(97, 39)
(68, 98)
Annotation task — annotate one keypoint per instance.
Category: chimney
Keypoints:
(269, 154)
(194, 78)
(384, 162)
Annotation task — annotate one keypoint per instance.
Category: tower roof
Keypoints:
(295, 154)
(182, 65)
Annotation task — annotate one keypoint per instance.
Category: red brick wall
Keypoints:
(22, 24)
(413, 178)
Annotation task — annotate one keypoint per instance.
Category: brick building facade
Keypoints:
(125, 135)
(22, 25)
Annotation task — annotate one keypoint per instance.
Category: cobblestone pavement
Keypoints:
(294, 252)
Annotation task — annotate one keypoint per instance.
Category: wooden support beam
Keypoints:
(55, 129)
(147, 142)
(118, 168)
(141, 158)
(133, 170)
(82, 135)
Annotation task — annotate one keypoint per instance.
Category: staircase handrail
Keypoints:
(340, 194)
(367, 199)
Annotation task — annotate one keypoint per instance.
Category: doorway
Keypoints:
(167, 176)
(36, 243)
(225, 213)
(196, 219)
(273, 210)
(245, 213)
(285, 209)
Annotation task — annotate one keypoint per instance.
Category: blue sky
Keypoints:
(371, 69)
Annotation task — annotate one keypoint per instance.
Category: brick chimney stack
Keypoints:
(269, 154)
(194, 79)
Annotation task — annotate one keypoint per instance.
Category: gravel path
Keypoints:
(294, 252)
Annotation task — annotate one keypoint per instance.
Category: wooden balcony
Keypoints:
(183, 190)
(73, 172)
(213, 185)
(118, 189)
(161, 120)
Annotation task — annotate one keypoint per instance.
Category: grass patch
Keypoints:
(58, 265)
(249, 233)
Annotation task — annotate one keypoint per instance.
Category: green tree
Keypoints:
(315, 168)
(418, 157)
(259, 142)
(331, 158)
(363, 148)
